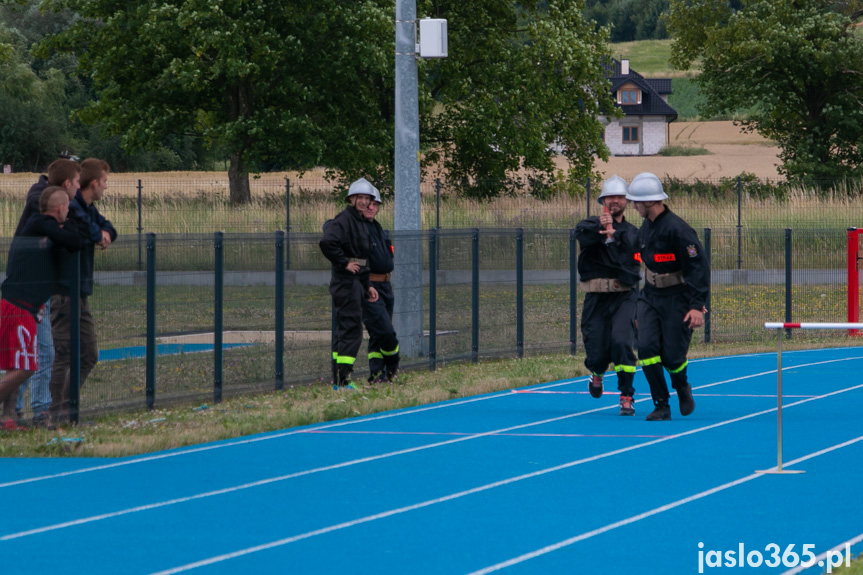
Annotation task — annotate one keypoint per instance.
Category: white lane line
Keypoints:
(270, 480)
(220, 445)
(464, 433)
(481, 488)
(655, 511)
(288, 476)
(247, 441)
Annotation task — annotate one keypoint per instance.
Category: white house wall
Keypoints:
(653, 136)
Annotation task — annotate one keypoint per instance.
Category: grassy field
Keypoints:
(185, 213)
(649, 58)
(142, 431)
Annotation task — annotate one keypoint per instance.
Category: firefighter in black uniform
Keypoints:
(672, 304)
(609, 271)
(346, 244)
(378, 315)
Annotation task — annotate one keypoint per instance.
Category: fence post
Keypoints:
(474, 299)
(707, 237)
(436, 259)
(739, 223)
(140, 222)
(287, 224)
(788, 280)
(151, 321)
(75, 340)
(433, 300)
(519, 292)
(280, 310)
(437, 203)
(587, 195)
(573, 293)
(219, 255)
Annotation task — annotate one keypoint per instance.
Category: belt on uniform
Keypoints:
(664, 280)
(380, 277)
(361, 261)
(603, 285)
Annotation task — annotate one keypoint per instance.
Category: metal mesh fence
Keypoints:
(199, 204)
(496, 292)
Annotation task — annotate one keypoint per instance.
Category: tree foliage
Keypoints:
(294, 84)
(505, 97)
(798, 63)
(270, 80)
(41, 92)
(32, 108)
(630, 19)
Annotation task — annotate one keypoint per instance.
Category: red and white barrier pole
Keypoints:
(839, 325)
(853, 278)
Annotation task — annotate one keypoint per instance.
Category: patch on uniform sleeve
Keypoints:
(692, 250)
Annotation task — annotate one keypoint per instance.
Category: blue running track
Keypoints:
(539, 480)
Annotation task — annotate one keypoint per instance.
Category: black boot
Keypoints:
(343, 377)
(655, 376)
(377, 369)
(684, 392)
(661, 412)
(392, 366)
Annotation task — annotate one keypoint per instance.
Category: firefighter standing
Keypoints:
(609, 273)
(672, 304)
(378, 315)
(346, 244)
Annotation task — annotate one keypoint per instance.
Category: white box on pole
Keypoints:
(433, 38)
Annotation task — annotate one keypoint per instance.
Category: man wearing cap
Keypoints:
(378, 315)
(346, 244)
(609, 272)
(672, 304)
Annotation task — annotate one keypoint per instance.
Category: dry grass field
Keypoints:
(732, 152)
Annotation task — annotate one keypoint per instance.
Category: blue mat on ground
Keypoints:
(138, 351)
(538, 480)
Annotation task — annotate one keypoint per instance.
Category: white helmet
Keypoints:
(377, 198)
(646, 187)
(613, 186)
(365, 188)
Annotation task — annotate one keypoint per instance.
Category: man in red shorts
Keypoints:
(29, 281)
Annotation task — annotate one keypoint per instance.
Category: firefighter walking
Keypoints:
(672, 304)
(346, 244)
(609, 272)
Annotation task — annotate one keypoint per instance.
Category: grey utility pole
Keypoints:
(407, 281)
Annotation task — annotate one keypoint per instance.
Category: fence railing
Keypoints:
(210, 315)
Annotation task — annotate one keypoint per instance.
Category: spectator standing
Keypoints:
(609, 272)
(95, 230)
(66, 174)
(378, 315)
(30, 274)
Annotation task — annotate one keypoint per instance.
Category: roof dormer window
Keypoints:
(629, 95)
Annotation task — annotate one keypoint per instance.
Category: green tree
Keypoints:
(797, 63)
(630, 19)
(33, 126)
(267, 79)
(518, 80)
(302, 83)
